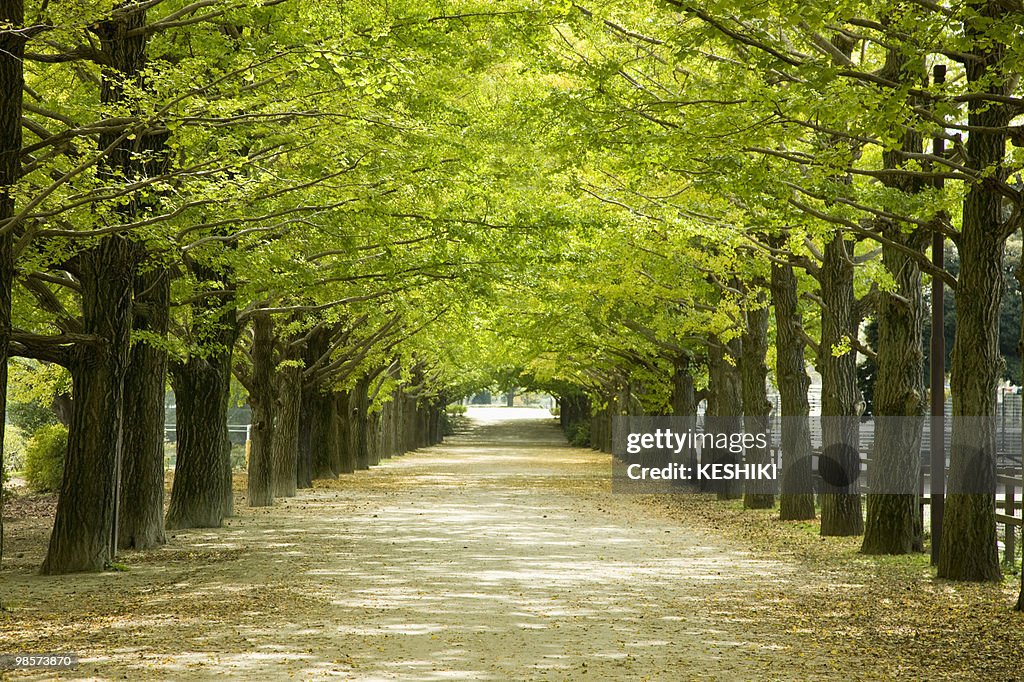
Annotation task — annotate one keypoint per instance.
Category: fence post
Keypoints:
(1010, 530)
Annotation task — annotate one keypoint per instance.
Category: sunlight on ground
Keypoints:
(493, 415)
(479, 559)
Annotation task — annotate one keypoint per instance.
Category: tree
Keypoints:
(84, 532)
(12, 48)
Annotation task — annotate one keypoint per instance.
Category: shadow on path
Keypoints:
(500, 555)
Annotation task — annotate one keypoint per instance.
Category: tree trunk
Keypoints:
(574, 409)
(344, 447)
(6, 282)
(441, 422)
(839, 462)
(725, 410)
(401, 421)
(315, 459)
(394, 420)
(323, 436)
(202, 496)
(262, 401)
(968, 548)
(409, 413)
(893, 525)
(401, 418)
(756, 407)
(304, 465)
(434, 412)
(1019, 274)
(684, 405)
(684, 393)
(198, 494)
(796, 499)
(359, 411)
(84, 536)
(83, 529)
(386, 412)
(373, 438)
(893, 514)
(141, 517)
(12, 83)
(286, 433)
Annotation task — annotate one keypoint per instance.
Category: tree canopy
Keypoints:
(636, 206)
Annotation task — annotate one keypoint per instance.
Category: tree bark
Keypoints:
(198, 493)
(796, 499)
(202, 496)
(408, 423)
(286, 434)
(360, 415)
(304, 465)
(83, 530)
(839, 463)
(344, 447)
(968, 549)
(323, 436)
(1019, 275)
(373, 437)
(391, 432)
(574, 408)
(314, 460)
(893, 523)
(84, 536)
(725, 407)
(684, 404)
(12, 83)
(262, 401)
(381, 436)
(756, 406)
(141, 517)
(6, 283)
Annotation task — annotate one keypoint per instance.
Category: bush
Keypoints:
(581, 434)
(238, 457)
(453, 419)
(44, 458)
(30, 416)
(14, 450)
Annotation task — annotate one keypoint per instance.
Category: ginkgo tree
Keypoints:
(363, 211)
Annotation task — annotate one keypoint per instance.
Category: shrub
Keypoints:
(448, 424)
(452, 419)
(44, 458)
(14, 450)
(581, 434)
(30, 416)
(238, 456)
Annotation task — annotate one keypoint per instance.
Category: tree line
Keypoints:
(785, 176)
(197, 192)
(639, 205)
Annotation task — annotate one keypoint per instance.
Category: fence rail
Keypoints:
(1008, 517)
(1009, 504)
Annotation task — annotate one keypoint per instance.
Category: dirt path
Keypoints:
(500, 555)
